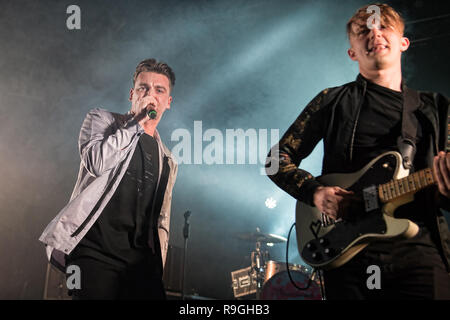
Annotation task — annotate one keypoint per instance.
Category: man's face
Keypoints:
(377, 48)
(152, 91)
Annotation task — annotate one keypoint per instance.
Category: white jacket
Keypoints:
(106, 143)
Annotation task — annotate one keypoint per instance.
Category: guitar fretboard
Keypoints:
(410, 184)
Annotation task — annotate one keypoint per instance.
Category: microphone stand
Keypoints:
(258, 266)
(186, 236)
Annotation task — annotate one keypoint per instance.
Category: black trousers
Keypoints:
(105, 281)
(404, 273)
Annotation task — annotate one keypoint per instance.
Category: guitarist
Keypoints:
(359, 121)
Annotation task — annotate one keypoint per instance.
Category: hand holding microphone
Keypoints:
(144, 109)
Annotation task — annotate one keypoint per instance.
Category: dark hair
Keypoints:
(151, 65)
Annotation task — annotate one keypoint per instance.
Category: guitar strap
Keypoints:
(407, 141)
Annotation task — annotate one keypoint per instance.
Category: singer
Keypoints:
(115, 227)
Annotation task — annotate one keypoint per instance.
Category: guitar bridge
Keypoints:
(326, 221)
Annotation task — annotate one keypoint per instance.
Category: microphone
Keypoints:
(152, 114)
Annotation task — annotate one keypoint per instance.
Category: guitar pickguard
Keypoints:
(315, 227)
(382, 171)
(331, 245)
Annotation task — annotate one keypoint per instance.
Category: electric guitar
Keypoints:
(382, 186)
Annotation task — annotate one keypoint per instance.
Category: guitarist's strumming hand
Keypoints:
(441, 169)
(332, 201)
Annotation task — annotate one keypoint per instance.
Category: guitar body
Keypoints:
(329, 245)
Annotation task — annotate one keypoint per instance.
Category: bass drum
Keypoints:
(278, 286)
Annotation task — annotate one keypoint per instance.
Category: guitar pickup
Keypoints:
(370, 197)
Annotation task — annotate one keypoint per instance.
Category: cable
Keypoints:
(287, 265)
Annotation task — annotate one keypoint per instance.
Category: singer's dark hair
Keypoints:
(151, 65)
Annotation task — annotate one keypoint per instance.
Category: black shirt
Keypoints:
(120, 234)
(379, 126)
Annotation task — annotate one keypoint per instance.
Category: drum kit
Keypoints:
(266, 279)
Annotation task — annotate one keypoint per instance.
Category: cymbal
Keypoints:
(260, 237)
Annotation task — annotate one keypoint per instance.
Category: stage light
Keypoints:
(271, 203)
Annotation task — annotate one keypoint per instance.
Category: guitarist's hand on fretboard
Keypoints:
(441, 169)
(333, 201)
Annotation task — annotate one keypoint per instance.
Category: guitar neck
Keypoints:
(409, 185)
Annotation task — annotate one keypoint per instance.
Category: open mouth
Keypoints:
(377, 48)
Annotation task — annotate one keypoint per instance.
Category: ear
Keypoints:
(351, 53)
(130, 98)
(404, 44)
(169, 102)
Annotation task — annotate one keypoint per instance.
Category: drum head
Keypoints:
(280, 287)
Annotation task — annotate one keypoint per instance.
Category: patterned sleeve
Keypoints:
(295, 145)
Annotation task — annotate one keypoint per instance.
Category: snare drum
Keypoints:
(278, 286)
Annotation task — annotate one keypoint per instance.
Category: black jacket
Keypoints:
(333, 116)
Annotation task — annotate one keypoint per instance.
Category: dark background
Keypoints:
(239, 64)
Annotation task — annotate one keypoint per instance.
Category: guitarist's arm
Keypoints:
(441, 168)
(441, 162)
(295, 145)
